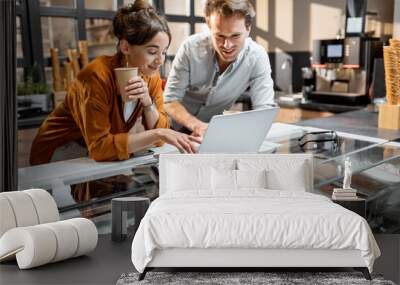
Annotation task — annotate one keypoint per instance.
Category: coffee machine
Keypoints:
(343, 70)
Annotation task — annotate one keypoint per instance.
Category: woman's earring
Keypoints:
(126, 59)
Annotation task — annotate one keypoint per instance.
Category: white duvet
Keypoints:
(250, 219)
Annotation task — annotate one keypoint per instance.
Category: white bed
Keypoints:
(221, 211)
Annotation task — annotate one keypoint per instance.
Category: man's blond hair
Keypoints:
(229, 8)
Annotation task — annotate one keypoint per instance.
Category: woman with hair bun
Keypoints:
(94, 116)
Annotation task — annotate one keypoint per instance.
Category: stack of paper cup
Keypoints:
(391, 57)
(395, 43)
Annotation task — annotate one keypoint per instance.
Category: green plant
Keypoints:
(33, 82)
(28, 87)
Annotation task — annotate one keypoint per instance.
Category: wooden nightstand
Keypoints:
(357, 205)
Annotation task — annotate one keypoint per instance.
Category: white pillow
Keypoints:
(282, 174)
(227, 179)
(280, 180)
(251, 178)
(223, 179)
(183, 177)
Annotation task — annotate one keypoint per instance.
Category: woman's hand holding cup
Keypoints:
(137, 89)
(131, 85)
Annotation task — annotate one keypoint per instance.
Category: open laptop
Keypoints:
(238, 133)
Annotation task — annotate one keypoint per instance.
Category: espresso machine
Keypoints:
(341, 69)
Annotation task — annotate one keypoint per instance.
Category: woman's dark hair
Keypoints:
(138, 23)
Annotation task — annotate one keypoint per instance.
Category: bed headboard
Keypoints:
(289, 170)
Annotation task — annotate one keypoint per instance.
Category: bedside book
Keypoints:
(341, 190)
(347, 198)
(347, 194)
(344, 194)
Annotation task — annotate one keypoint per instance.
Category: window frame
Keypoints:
(191, 19)
(21, 12)
(31, 13)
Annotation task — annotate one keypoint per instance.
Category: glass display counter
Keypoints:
(375, 165)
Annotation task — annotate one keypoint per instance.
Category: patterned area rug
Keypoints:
(273, 278)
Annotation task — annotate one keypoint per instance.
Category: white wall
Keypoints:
(292, 25)
(396, 20)
(384, 21)
(326, 21)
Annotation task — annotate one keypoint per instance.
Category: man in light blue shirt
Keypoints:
(212, 70)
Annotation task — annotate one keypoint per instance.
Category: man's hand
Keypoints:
(137, 89)
(199, 129)
(179, 114)
(183, 142)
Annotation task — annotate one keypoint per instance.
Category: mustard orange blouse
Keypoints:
(92, 114)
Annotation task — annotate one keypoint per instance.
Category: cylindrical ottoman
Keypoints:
(119, 211)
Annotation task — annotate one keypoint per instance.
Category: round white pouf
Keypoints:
(45, 205)
(6, 215)
(37, 245)
(67, 239)
(23, 208)
(87, 235)
(33, 246)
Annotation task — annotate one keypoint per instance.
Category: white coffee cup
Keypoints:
(123, 75)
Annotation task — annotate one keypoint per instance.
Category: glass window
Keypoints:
(58, 32)
(100, 37)
(180, 31)
(20, 74)
(127, 2)
(200, 28)
(58, 3)
(177, 7)
(48, 73)
(199, 8)
(19, 37)
(101, 4)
